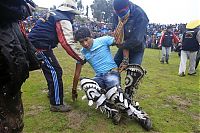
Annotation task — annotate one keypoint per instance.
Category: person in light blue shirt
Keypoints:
(104, 89)
(95, 56)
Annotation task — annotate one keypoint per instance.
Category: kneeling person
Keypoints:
(104, 89)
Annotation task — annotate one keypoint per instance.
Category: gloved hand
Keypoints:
(122, 67)
(39, 56)
(124, 64)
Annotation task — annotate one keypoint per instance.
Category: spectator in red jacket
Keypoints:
(166, 41)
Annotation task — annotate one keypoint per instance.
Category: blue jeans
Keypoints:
(108, 80)
(134, 57)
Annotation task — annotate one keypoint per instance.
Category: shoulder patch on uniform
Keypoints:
(188, 35)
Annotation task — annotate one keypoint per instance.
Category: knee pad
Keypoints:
(113, 93)
(134, 74)
(116, 96)
(93, 92)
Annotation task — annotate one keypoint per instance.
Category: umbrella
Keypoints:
(193, 24)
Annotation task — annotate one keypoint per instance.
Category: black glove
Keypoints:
(39, 56)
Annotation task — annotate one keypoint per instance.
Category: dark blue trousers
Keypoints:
(53, 74)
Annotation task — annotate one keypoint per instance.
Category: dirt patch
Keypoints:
(181, 103)
(101, 126)
(76, 118)
(34, 110)
(196, 117)
(196, 129)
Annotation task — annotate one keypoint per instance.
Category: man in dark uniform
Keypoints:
(130, 23)
(190, 47)
(56, 27)
(14, 66)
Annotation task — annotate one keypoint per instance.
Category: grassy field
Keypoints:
(172, 102)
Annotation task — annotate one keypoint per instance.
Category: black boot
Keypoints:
(146, 123)
(133, 77)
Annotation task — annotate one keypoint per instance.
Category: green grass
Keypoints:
(171, 101)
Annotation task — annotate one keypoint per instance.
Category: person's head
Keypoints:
(169, 28)
(69, 6)
(83, 36)
(121, 7)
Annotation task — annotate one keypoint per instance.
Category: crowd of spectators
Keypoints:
(154, 31)
(98, 28)
(29, 22)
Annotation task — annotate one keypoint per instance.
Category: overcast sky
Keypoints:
(158, 11)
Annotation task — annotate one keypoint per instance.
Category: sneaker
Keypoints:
(192, 73)
(182, 74)
(60, 108)
(146, 123)
(116, 118)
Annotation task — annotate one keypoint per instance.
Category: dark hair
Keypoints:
(169, 27)
(82, 33)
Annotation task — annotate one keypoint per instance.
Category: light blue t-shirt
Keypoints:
(99, 55)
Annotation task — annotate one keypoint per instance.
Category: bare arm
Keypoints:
(126, 53)
(75, 81)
